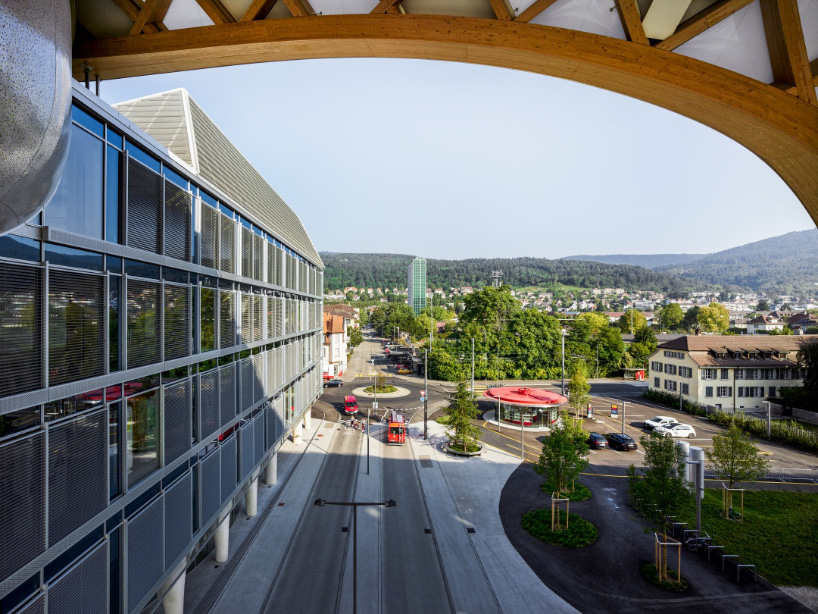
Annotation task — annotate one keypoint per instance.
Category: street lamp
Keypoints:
(355, 505)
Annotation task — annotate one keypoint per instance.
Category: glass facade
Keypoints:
(417, 285)
(149, 363)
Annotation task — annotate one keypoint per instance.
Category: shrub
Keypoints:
(651, 574)
(580, 532)
(579, 493)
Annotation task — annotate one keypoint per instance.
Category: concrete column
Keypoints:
(298, 431)
(251, 498)
(307, 420)
(222, 538)
(271, 473)
(174, 590)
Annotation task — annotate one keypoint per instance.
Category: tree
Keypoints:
(356, 337)
(579, 390)
(461, 411)
(671, 317)
(691, 319)
(644, 344)
(564, 454)
(735, 458)
(808, 361)
(632, 319)
(714, 318)
(763, 305)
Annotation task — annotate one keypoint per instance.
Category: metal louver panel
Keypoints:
(246, 450)
(22, 502)
(77, 473)
(21, 317)
(258, 377)
(36, 606)
(209, 409)
(228, 469)
(246, 252)
(246, 370)
(227, 319)
(144, 207)
(178, 422)
(84, 588)
(258, 317)
(144, 322)
(178, 518)
(227, 244)
(177, 321)
(227, 392)
(258, 254)
(211, 482)
(76, 326)
(146, 560)
(258, 434)
(270, 425)
(209, 237)
(247, 328)
(177, 221)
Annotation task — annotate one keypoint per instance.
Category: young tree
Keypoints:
(356, 337)
(671, 317)
(564, 454)
(579, 390)
(631, 319)
(714, 318)
(735, 458)
(461, 411)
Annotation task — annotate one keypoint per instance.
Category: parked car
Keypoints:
(652, 423)
(620, 441)
(595, 440)
(404, 371)
(676, 430)
(334, 383)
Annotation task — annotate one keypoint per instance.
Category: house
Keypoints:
(728, 372)
(764, 323)
(335, 346)
(800, 322)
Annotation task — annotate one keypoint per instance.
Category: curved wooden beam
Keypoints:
(778, 127)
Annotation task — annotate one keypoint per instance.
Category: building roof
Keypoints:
(175, 120)
(342, 310)
(333, 324)
(532, 397)
(752, 343)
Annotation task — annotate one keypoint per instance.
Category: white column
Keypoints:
(307, 419)
(251, 498)
(271, 473)
(222, 538)
(298, 430)
(174, 590)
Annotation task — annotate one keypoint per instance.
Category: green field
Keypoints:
(779, 533)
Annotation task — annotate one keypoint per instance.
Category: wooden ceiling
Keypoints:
(777, 120)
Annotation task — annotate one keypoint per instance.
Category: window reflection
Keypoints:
(113, 449)
(142, 436)
(19, 420)
(208, 323)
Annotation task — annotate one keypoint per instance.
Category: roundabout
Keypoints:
(398, 393)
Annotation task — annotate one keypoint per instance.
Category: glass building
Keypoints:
(417, 285)
(160, 334)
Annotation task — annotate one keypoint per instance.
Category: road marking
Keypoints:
(507, 437)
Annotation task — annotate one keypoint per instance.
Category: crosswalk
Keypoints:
(371, 375)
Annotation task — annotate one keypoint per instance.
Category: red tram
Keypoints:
(396, 433)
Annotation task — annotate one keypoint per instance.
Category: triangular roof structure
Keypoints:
(175, 120)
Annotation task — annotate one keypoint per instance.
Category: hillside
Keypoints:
(649, 261)
(389, 270)
(787, 264)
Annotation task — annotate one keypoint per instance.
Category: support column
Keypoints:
(271, 473)
(174, 590)
(251, 498)
(222, 538)
(298, 431)
(307, 420)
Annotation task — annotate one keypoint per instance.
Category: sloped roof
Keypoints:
(175, 120)
(752, 343)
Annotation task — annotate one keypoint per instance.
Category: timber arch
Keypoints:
(776, 121)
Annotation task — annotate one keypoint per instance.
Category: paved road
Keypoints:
(312, 573)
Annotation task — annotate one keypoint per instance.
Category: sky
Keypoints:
(446, 160)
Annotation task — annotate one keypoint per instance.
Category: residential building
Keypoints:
(417, 285)
(764, 323)
(800, 322)
(728, 372)
(160, 329)
(335, 346)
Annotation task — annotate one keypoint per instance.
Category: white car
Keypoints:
(652, 423)
(676, 430)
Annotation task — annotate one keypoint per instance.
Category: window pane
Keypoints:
(113, 448)
(112, 196)
(19, 420)
(20, 248)
(208, 317)
(75, 258)
(142, 437)
(85, 119)
(77, 203)
(114, 292)
(20, 329)
(143, 323)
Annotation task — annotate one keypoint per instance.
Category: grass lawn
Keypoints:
(580, 532)
(779, 533)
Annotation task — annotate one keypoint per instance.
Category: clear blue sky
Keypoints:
(448, 160)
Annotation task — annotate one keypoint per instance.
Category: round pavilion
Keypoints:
(532, 406)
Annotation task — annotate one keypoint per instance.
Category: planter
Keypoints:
(457, 452)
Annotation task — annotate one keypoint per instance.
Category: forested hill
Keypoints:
(787, 264)
(649, 261)
(389, 270)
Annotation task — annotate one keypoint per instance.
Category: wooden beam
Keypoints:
(532, 11)
(299, 8)
(146, 15)
(383, 6)
(161, 11)
(258, 9)
(701, 21)
(788, 52)
(132, 9)
(632, 21)
(502, 10)
(216, 11)
(791, 89)
(396, 9)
